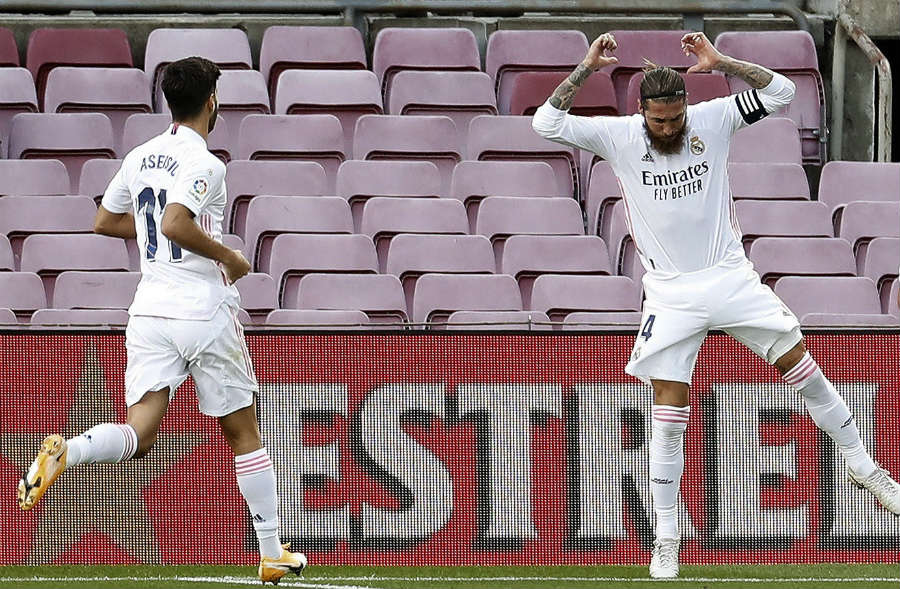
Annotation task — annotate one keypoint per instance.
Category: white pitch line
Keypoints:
(217, 580)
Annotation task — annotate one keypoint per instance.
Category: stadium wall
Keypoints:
(454, 449)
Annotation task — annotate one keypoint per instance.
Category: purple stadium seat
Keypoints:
(232, 241)
(399, 49)
(499, 320)
(844, 182)
(107, 318)
(880, 264)
(22, 292)
(602, 192)
(774, 257)
(437, 296)
(37, 177)
(758, 218)
(617, 236)
(557, 295)
(7, 260)
(7, 317)
(345, 94)
(833, 301)
(502, 216)
(379, 296)
(699, 87)
(9, 52)
(307, 47)
(227, 48)
(395, 137)
(72, 138)
(95, 290)
(21, 216)
(778, 135)
(599, 321)
(317, 138)
(893, 307)
(529, 90)
(294, 255)
(96, 175)
(660, 47)
(863, 221)
(16, 95)
(142, 127)
(385, 217)
(116, 92)
(512, 138)
(259, 295)
(360, 180)
(768, 181)
(318, 319)
(246, 179)
(792, 53)
(50, 48)
(268, 216)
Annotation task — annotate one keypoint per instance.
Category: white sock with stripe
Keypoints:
(668, 425)
(256, 480)
(106, 442)
(830, 413)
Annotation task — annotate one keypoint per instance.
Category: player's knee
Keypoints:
(790, 358)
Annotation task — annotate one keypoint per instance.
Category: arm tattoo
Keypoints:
(564, 95)
(755, 75)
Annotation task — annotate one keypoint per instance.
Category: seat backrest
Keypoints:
(861, 221)
(499, 320)
(7, 260)
(699, 87)
(779, 135)
(394, 134)
(328, 90)
(108, 318)
(526, 255)
(23, 292)
(56, 253)
(787, 218)
(17, 88)
(439, 295)
(318, 319)
(37, 177)
(768, 180)
(557, 295)
(844, 182)
(813, 294)
(286, 134)
(380, 296)
(259, 294)
(529, 90)
(95, 290)
(603, 191)
(60, 132)
(511, 51)
(501, 216)
(880, 264)
(411, 255)
(474, 179)
(46, 214)
(360, 180)
(96, 175)
(454, 90)
(777, 50)
(774, 257)
(69, 88)
(9, 52)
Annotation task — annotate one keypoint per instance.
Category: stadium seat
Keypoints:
(614, 230)
(768, 181)
(7, 260)
(33, 177)
(318, 319)
(268, 216)
(699, 87)
(379, 296)
(602, 192)
(793, 54)
(771, 140)
(116, 92)
(558, 295)
(862, 221)
(410, 256)
(502, 216)
(395, 137)
(295, 255)
(774, 257)
(844, 182)
(317, 138)
(759, 218)
(106, 318)
(529, 90)
(345, 94)
(398, 49)
(246, 179)
(602, 321)
(880, 264)
(512, 138)
(660, 47)
(385, 217)
(893, 307)
(437, 296)
(232, 241)
(498, 320)
(839, 301)
(22, 292)
(95, 290)
(16, 95)
(142, 127)
(227, 48)
(96, 175)
(21, 216)
(9, 51)
(360, 180)
(7, 317)
(259, 295)
(308, 47)
(49, 48)
(525, 257)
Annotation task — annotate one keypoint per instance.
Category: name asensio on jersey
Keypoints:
(160, 161)
(676, 184)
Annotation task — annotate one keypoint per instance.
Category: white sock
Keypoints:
(106, 442)
(666, 465)
(256, 480)
(830, 413)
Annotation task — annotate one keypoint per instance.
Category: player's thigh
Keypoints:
(154, 361)
(667, 344)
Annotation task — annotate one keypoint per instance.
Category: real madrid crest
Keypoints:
(697, 146)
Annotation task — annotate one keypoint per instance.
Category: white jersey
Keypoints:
(173, 167)
(678, 207)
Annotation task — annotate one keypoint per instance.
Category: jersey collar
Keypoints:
(185, 132)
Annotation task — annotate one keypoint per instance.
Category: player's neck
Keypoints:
(201, 127)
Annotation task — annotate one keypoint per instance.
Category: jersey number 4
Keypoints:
(147, 204)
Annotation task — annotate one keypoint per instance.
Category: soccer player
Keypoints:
(170, 194)
(671, 160)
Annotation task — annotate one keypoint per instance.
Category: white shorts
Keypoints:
(678, 312)
(163, 352)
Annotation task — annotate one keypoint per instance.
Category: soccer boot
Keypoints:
(664, 562)
(880, 484)
(272, 569)
(50, 462)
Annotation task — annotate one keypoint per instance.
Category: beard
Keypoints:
(666, 145)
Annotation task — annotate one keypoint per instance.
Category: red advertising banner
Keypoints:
(421, 449)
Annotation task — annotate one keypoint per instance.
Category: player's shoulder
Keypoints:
(201, 160)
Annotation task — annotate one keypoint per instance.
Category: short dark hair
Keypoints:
(188, 84)
(661, 83)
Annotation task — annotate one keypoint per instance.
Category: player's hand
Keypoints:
(708, 57)
(596, 57)
(235, 266)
